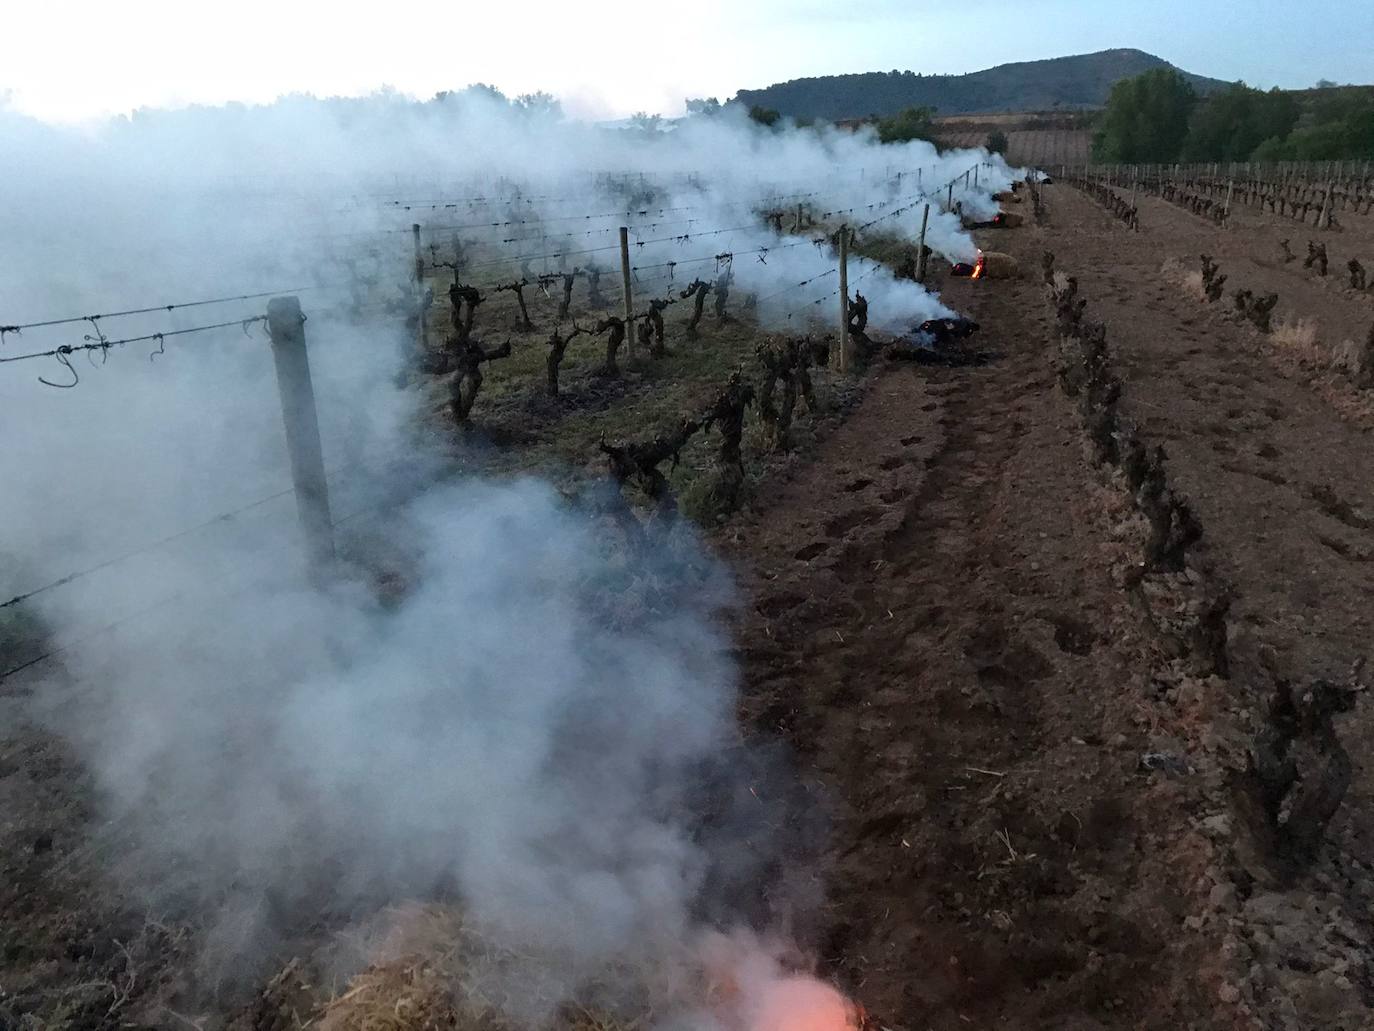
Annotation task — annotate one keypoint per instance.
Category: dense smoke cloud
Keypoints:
(497, 730)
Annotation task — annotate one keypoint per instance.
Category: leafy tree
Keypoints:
(915, 123)
(703, 106)
(764, 115)
(997, 142)
(1146, 118)
(480, 90)
(646, 122)
(1343, 127)
(1272, 149)
(1230, 124)
(539, 105)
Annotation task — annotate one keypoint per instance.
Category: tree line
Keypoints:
(1158, 117)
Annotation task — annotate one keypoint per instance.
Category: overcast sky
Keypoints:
(73, 60)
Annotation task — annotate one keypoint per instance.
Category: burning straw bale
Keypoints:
(997, 265)
(433, 972)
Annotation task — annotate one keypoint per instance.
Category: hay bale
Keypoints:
(1007, 197)
(997, 265)
(1012, 219)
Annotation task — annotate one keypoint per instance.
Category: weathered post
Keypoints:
(949, 199)
(843, 350)
(975, 177)
(286, 326)
(1324, 217)
(629, 294)
(921, 253)
(1230, 189)
(422, 321)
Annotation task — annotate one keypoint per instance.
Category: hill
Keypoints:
(1082, 81)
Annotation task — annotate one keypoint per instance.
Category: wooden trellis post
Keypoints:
(423, 331)
(629, 293)
(921, 253)
(842, 362)
(286, 326)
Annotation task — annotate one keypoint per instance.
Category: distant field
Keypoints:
(1039, 147)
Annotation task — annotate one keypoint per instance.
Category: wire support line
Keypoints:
(72, 320)
(104, 344)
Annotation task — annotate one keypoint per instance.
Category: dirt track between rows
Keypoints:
(937, 630)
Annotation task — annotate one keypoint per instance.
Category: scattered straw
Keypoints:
(432, 972)
(1298, 337)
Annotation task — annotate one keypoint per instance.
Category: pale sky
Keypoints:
(67, 61)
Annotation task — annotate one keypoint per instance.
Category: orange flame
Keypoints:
(979, 267)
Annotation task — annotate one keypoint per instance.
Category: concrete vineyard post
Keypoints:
(286, 326)
(1230, 189)
(921, 251)
(843, 353)
(629, 294)
(423, 331)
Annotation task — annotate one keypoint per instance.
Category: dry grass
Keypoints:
(1298, 337)
(1192, 286)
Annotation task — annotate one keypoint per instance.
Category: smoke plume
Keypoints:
(531, 719)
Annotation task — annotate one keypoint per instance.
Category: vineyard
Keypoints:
(922, 593)
(1034, 141)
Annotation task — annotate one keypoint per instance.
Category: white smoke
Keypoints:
(499, 729)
